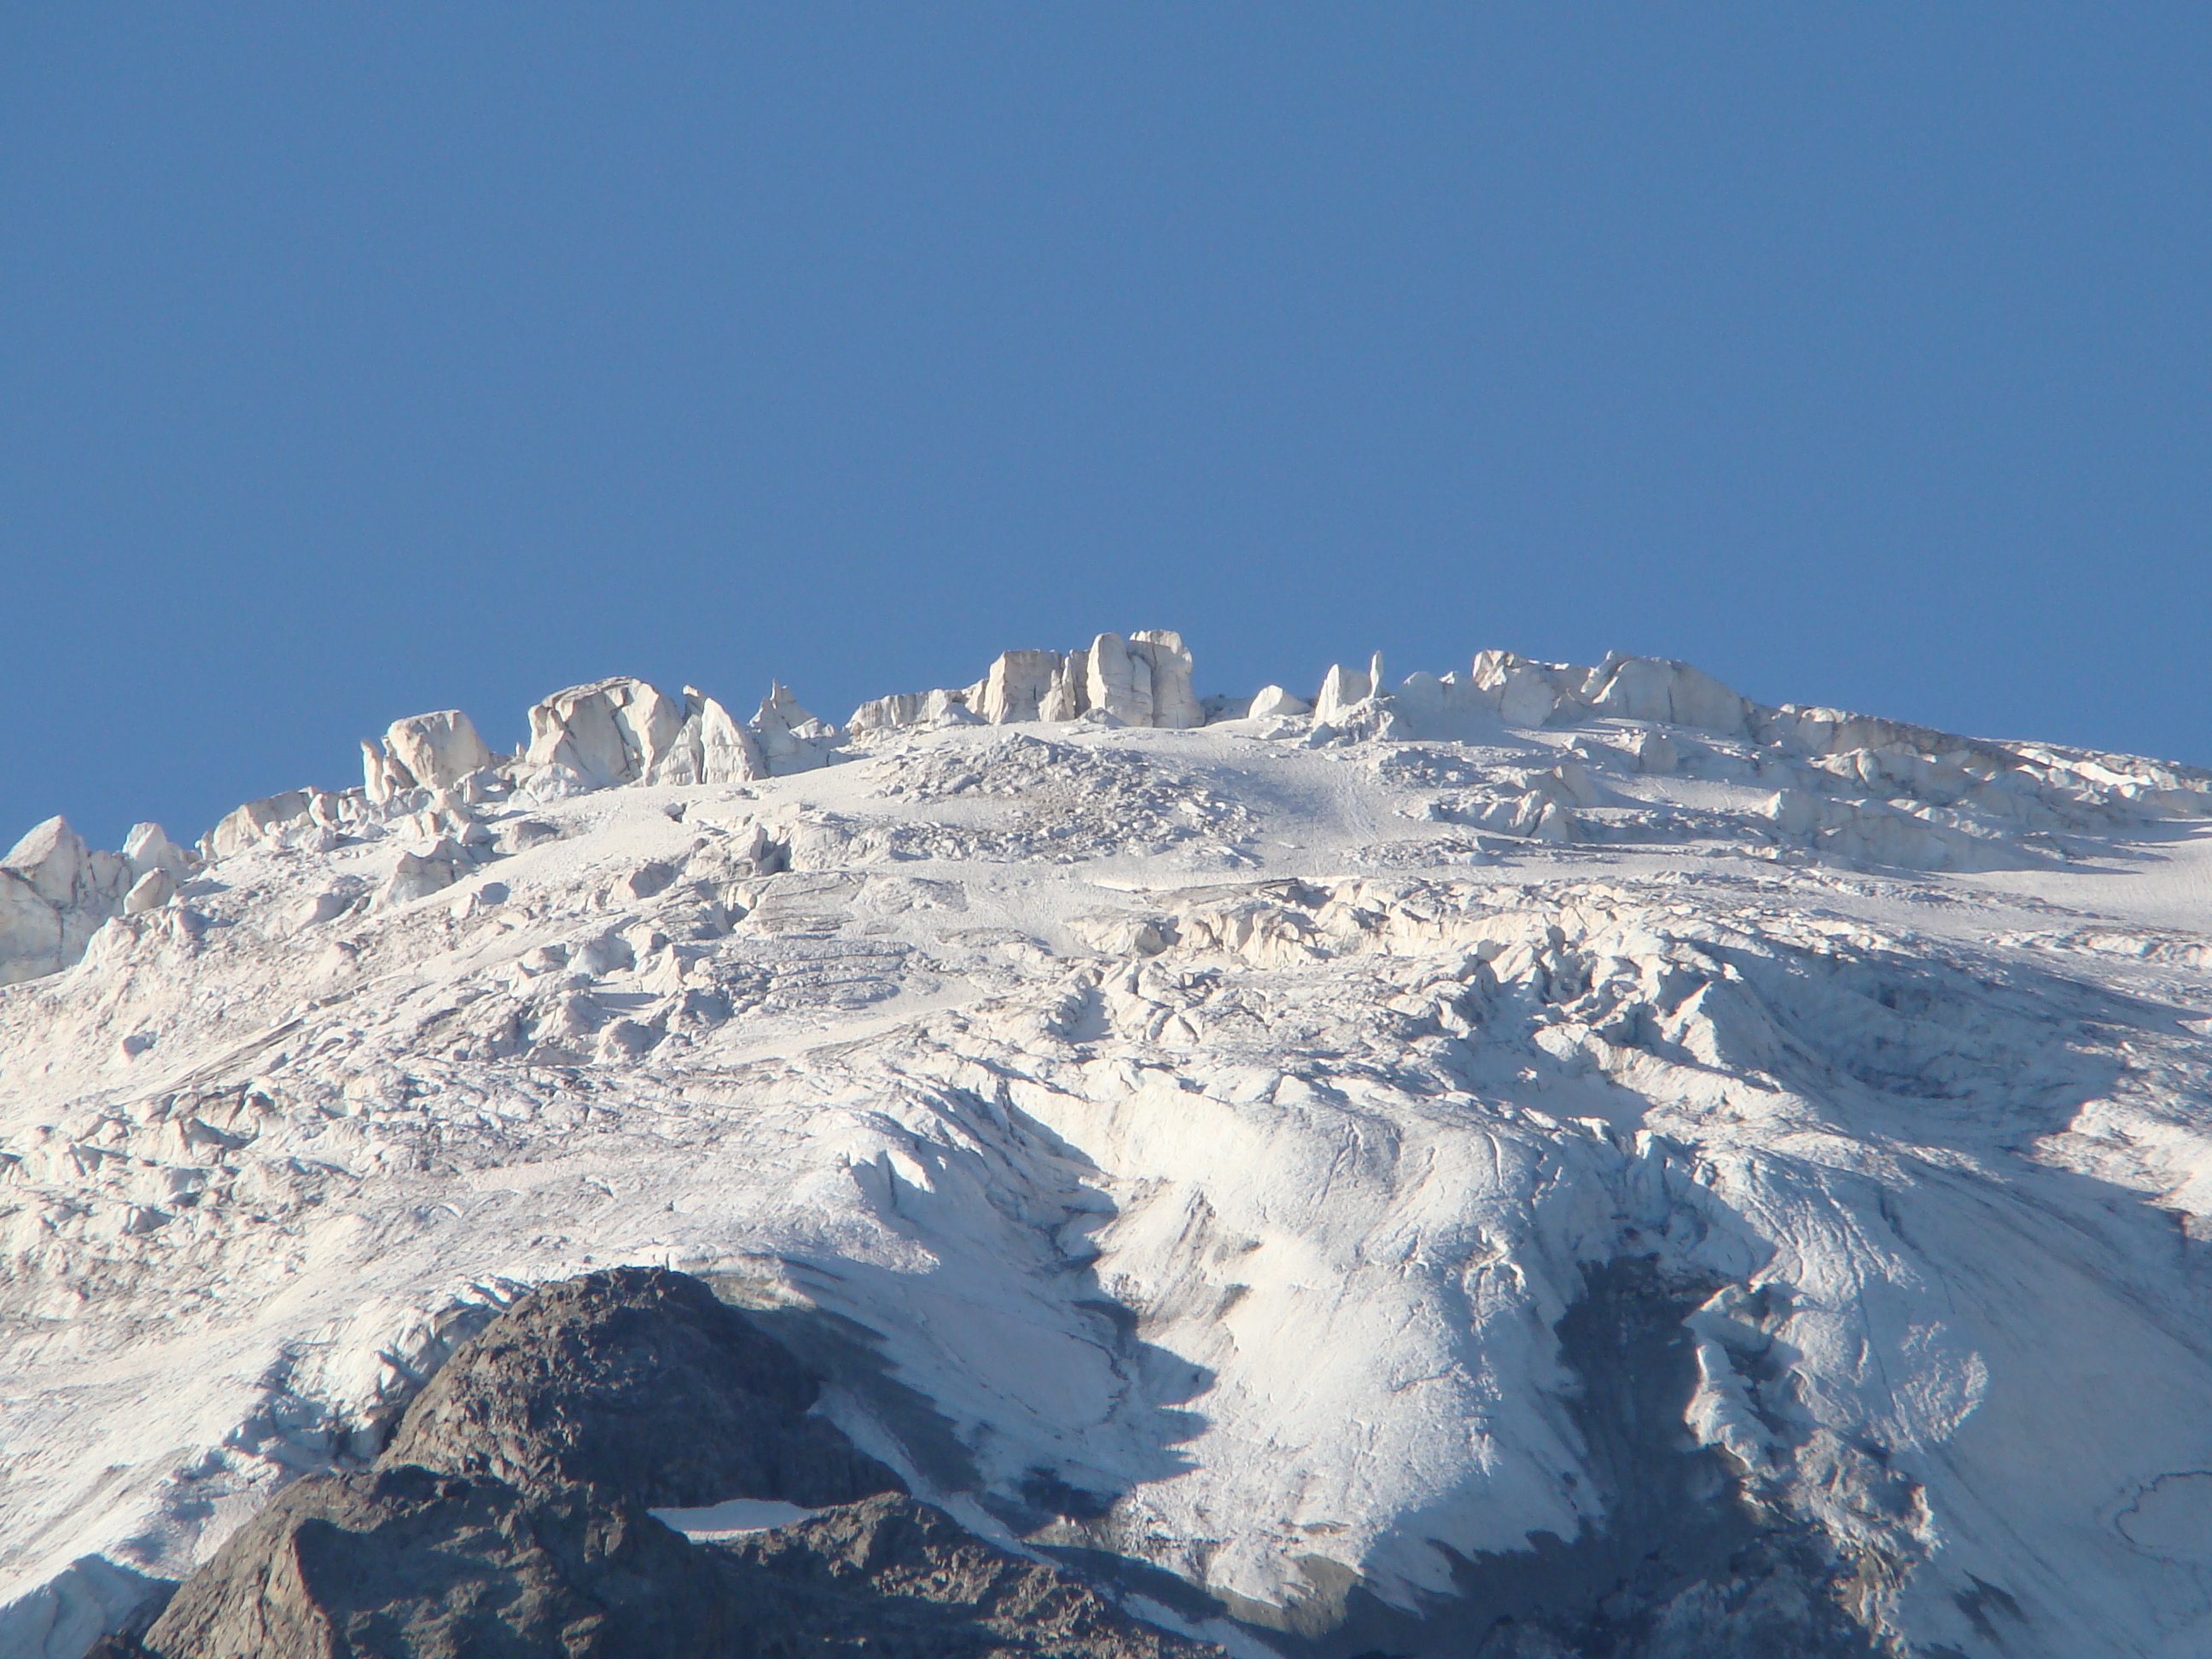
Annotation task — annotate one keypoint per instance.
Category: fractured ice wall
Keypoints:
(1142, 680)
(55, 892)
(620, 731)
(1848, 788)
(1502, 688)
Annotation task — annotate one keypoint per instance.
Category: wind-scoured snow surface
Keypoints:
(1215, 1152)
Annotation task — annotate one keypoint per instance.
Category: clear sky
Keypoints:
(361, 360)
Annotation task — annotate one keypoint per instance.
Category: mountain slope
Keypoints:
(1565, 1146)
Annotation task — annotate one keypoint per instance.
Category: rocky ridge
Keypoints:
(513, 1514)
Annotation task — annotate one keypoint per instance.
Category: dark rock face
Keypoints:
(900, 1579)
(403, 1562)
(639, 1381)
(507, 1519)
(405, 1565)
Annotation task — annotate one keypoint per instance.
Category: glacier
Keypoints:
(1541, 1160)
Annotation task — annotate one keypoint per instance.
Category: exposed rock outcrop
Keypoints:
(637, 1380)
(508, 1517)
(890, 1573)
(403, 1562)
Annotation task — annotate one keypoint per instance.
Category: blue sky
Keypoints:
(356, 360)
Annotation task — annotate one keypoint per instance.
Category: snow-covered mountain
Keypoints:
(1540, 1161)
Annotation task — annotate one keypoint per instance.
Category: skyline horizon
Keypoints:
(361, 364)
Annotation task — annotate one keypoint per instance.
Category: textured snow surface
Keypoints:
(1198, 1131)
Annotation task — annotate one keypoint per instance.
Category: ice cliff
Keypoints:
(1533, 1160)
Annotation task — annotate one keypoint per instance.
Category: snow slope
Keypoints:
(1198, 1149)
